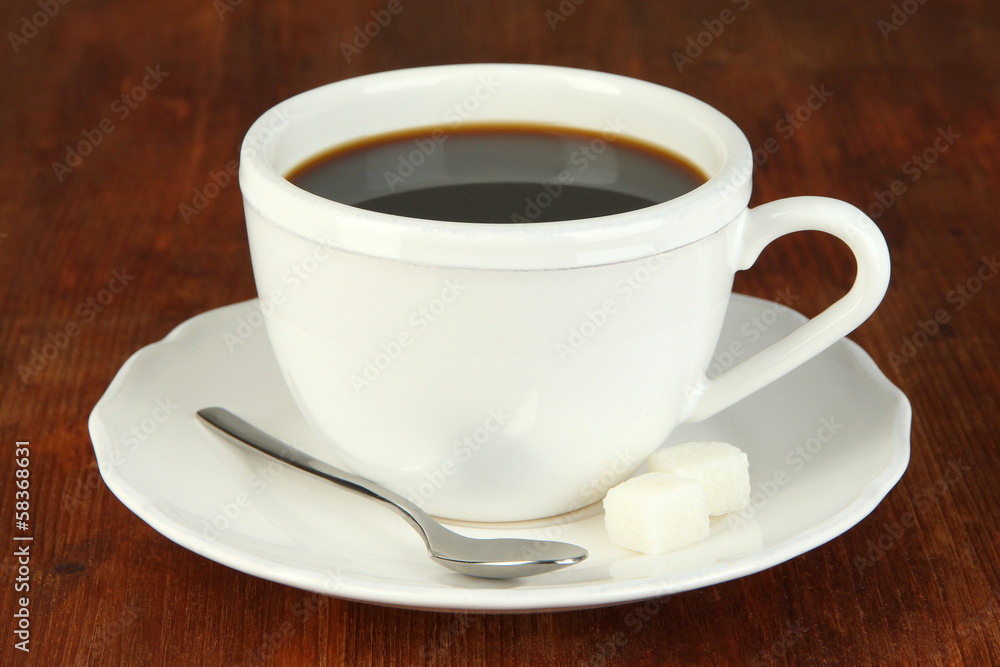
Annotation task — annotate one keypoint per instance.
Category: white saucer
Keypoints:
(826, 443)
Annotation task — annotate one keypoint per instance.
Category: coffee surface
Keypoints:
(498, 174)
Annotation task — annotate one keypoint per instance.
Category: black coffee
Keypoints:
(498, 173)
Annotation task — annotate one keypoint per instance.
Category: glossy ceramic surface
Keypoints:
(825, 443)
(444, 360)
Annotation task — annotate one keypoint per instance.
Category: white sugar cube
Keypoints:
(656, 513)
(720, 467)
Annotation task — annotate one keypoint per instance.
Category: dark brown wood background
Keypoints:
(106, 589)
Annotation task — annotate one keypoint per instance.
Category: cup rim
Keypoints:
(269, 196)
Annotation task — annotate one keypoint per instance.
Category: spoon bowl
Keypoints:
(500, 558)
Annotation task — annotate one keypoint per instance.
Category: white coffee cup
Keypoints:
(516, 371)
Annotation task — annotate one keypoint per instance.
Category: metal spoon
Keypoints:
(491, 558)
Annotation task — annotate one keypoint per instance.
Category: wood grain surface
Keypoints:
(106, 589)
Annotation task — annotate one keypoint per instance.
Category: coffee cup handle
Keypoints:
(766, 223)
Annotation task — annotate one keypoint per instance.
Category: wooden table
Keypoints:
(116, 115)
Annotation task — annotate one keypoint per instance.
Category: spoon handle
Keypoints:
(249, 435)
